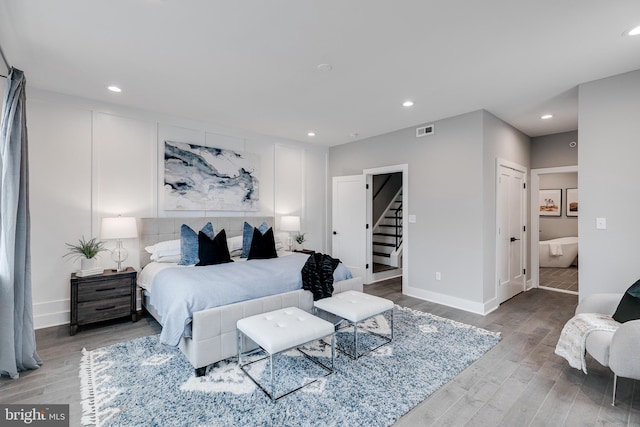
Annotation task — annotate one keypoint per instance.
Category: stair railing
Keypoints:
(398, 226)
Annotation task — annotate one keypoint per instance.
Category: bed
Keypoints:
(211, 334)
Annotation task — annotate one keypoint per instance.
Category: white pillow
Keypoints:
(234, 243)
(281, 238)
(162, 249)
(170, 258)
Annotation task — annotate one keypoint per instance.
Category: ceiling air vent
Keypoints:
(424, 131)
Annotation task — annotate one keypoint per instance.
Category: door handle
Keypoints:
(513, 239)
(335, 232)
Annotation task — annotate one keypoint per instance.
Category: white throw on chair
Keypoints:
(617, 350)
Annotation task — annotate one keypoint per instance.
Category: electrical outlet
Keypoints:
(438, 275)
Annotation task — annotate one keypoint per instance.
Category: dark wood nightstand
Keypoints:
(305, 251)
(105, 296)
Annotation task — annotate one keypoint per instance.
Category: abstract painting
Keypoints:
(206, 178)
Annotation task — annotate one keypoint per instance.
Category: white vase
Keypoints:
(88, 263)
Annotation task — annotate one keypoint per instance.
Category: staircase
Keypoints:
(387, 235)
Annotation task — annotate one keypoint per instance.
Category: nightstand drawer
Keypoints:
(102, 310)
(103, 290)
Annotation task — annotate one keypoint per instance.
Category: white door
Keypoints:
(349, 240)
(511, 232)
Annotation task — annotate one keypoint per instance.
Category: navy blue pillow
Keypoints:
(247, 236)
(189, 243)
(213, 251)
(263, 246)
(629, 307)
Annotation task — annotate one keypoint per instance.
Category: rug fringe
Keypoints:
(453, 322)
(87, 389)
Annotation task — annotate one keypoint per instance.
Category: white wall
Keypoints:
(500, 140)
(448, 192)
(90, 160)
(608, 177)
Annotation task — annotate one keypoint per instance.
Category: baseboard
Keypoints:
(51, 313)
(450, 301)
(528, 285)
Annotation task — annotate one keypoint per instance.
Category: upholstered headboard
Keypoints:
(154, 230)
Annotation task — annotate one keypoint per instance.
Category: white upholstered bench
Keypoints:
(356, 307)
(282, 330)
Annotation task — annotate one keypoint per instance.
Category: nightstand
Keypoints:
(105, 296)
(305, 251)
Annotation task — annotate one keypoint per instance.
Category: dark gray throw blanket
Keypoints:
(317, 275)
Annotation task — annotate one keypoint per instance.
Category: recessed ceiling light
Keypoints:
(546, 116)
(407, 104)
(114, 89)
(311, 134)
(325, 67)
(634, 31)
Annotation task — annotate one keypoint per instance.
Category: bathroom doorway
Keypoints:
(554, 231)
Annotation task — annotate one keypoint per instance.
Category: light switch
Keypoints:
(601, 223)
(412, 219)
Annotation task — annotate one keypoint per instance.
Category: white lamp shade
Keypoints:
(119, 228)
(290, 223)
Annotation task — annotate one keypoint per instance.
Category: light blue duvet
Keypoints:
(178, 292)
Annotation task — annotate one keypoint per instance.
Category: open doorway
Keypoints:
(386, 219)
(554, 234)
(387, 233)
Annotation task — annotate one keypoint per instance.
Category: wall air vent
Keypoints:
(424, 131)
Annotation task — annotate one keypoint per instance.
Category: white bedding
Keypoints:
(149, 272)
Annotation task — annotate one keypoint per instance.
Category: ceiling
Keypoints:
(253, 64)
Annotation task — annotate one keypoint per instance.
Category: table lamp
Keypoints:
(290, 223)
(119, 228)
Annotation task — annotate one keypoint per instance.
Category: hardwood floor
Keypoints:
(520, 382)
(559, 278)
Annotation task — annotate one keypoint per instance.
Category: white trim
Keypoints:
(564, 291)
(404, 168)
(515, 166)
(51, 313)
(535, 218)
(450, 301)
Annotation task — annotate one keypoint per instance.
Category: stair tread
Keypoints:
(387, 234)
(384, 244)
(382, 254)
(389, 225)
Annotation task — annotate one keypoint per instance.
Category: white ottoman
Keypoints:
(282, 330)
(356, 307)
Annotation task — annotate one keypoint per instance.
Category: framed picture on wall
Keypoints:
(571, 208)
(550, 202)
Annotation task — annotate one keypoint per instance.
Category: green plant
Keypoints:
(85, 248)
(300, 238)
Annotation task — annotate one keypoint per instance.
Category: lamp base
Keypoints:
(119, 254)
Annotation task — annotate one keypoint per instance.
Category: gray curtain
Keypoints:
(17, 337)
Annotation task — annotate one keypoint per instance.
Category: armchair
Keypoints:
(617, 350)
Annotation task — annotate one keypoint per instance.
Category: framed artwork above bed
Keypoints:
(197, 177)
(550, 202)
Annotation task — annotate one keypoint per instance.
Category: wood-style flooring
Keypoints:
(520, 382)
(559, 278)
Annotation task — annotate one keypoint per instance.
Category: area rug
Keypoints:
(143, 383)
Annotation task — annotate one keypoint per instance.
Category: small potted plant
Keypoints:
(299, 238)
(86, 251)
